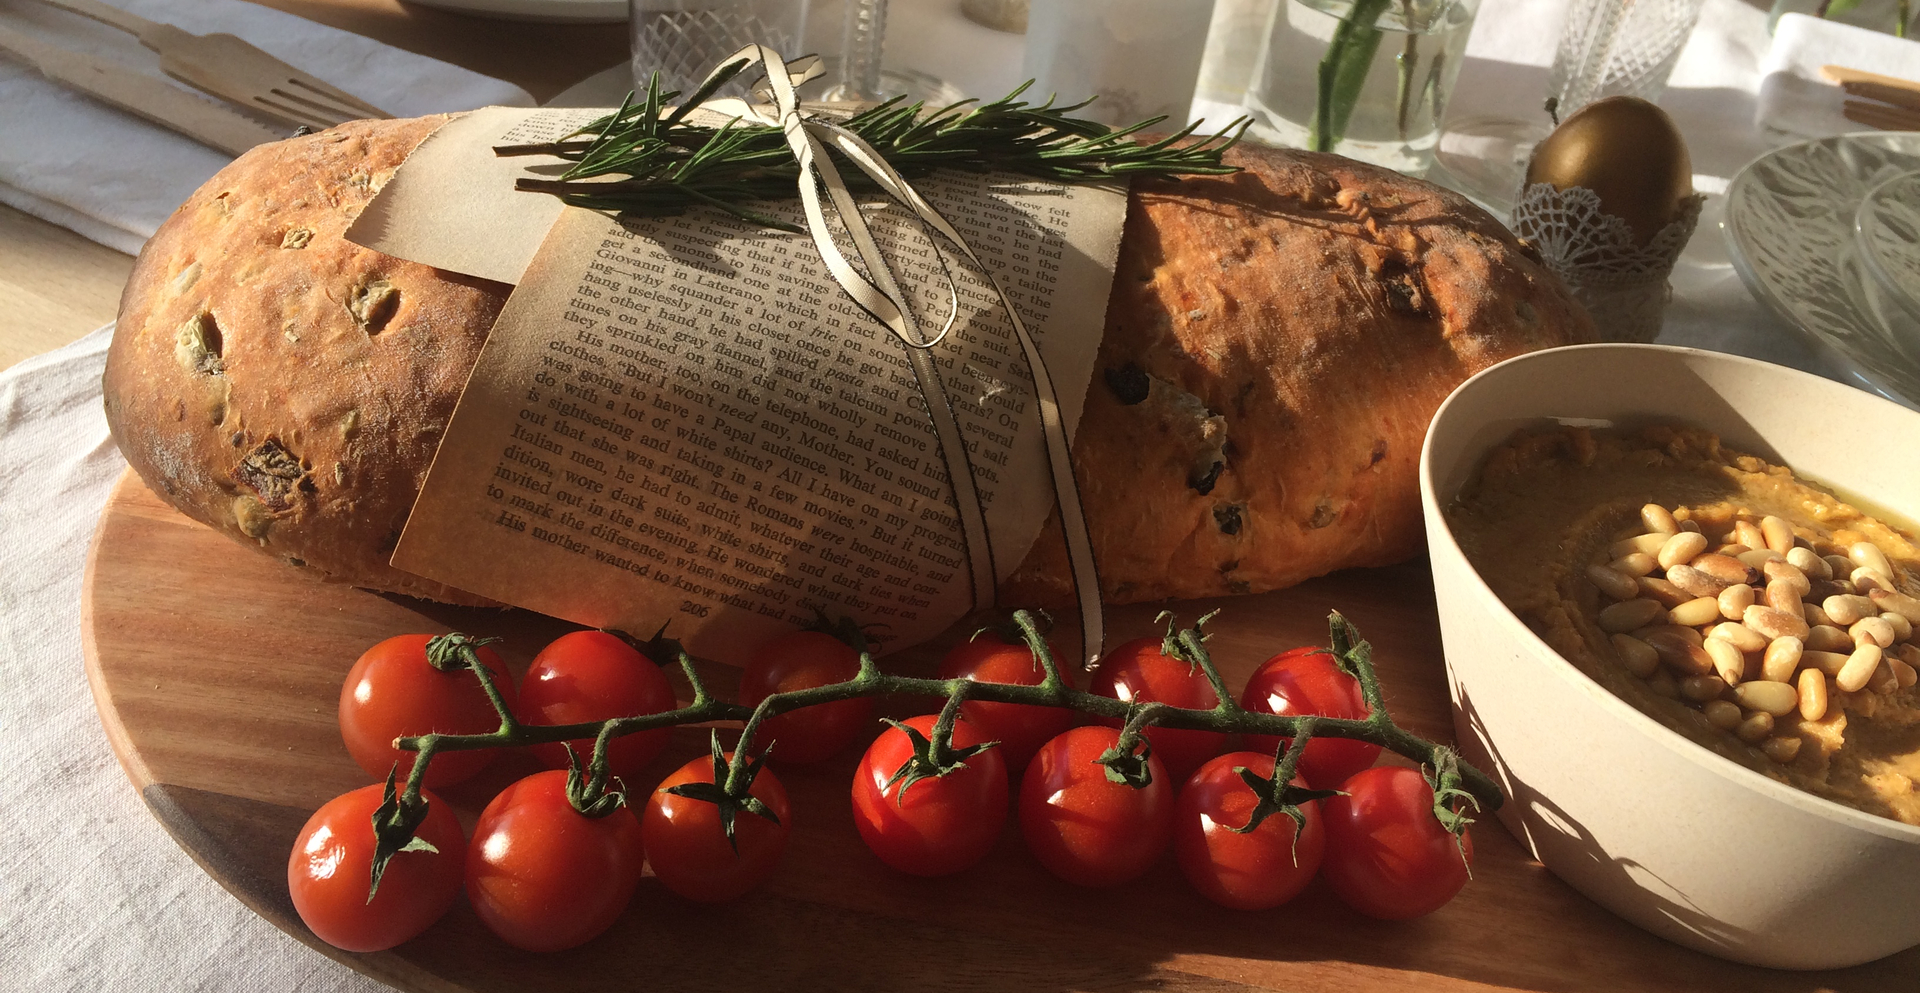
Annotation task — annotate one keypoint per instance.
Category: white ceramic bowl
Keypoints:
(1682, 842)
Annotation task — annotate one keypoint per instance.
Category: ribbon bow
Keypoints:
(877, 293)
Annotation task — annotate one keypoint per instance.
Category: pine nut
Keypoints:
(1724, 568)
(1902, 628)
(1781, 750)
(1872, 629)
(1659, 519)
(1755, 728)
(1859, 668)
(1788, 573)
(1778, 534)
(1837, 565)
(1691, 525)
(1778, 699)
(1773, 623)
(1680, 631)
(1617, 585)
(1783, 596)
(1695, 613)
(1628, 615)
(1646, 544)
(1903, 673)
(1729, 661)
(1697, 582)
(1662, 684)
(1759, 557)
(1782, 657)
(1910, 654)
(1828, 663)
(1636, 565)
(1732, 550)
(1816, 616)
(1662, 592)
(1723, 714)
(1636, 656)
(1845, 587)
(1746, 533)
(1700, 689)
(1744, 638)
(1679, 654)
(1808, 561)
(1681, 548)
(1883, 681)
(1847, 608)
(1813, 694)
(1868, 554)
(1829, 638)
(1899, 603)
(1867, 579)
(1734, 601)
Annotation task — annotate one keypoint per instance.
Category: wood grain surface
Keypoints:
(217, 671)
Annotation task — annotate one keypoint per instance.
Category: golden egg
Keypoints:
(1627, 152)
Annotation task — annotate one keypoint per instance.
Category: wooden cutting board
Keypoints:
(217, 670)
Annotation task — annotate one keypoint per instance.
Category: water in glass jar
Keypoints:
(1364, 78)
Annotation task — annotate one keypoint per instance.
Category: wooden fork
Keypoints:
(232, 69)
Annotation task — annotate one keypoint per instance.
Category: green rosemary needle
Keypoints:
(665, 164)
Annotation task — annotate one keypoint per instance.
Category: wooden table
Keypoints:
(58, 285)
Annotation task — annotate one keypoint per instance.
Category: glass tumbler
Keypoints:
(684, 39)
(1617, 48)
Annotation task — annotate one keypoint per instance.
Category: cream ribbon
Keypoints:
(881, 297)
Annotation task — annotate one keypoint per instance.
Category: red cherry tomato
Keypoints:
(1306, 681)
(544, 876)
(938, 825)
(1020, 728)
(330, 868)
(1387, 856)
(392, 692)
(689, 851)
(798, 661)
(1263, 868)
(1139, 672)
(1085, 828)
(592, 676)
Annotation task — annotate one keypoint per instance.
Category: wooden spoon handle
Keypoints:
(106, 14)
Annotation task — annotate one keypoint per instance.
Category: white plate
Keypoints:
(1791, 233)
(556, 11)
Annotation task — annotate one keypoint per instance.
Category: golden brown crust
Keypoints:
(1276, 342)
(276, 382)
(1296, 325)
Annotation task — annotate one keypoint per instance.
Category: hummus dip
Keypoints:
(1550, 504)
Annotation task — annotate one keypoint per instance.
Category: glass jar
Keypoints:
(685, 39)
(1365, 78)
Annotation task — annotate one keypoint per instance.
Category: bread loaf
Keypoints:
(1276, 342)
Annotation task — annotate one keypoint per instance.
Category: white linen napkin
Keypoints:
(1796, 99)
(113, 177)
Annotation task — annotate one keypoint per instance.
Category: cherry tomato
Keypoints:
(330, 868)
(1387, 856)
(1085, 828)
(392, 691)
(689, 851)
(798, 661)
(1306, 681)
(1263, 868)
(592, 676)
(939, 824)
(1020, 728)
(544, 876)
(1139, 672)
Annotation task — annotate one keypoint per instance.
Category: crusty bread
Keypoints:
(1276, 343)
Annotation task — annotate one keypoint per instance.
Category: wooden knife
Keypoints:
(153, 99)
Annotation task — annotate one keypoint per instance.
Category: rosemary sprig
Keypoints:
(644, 160)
